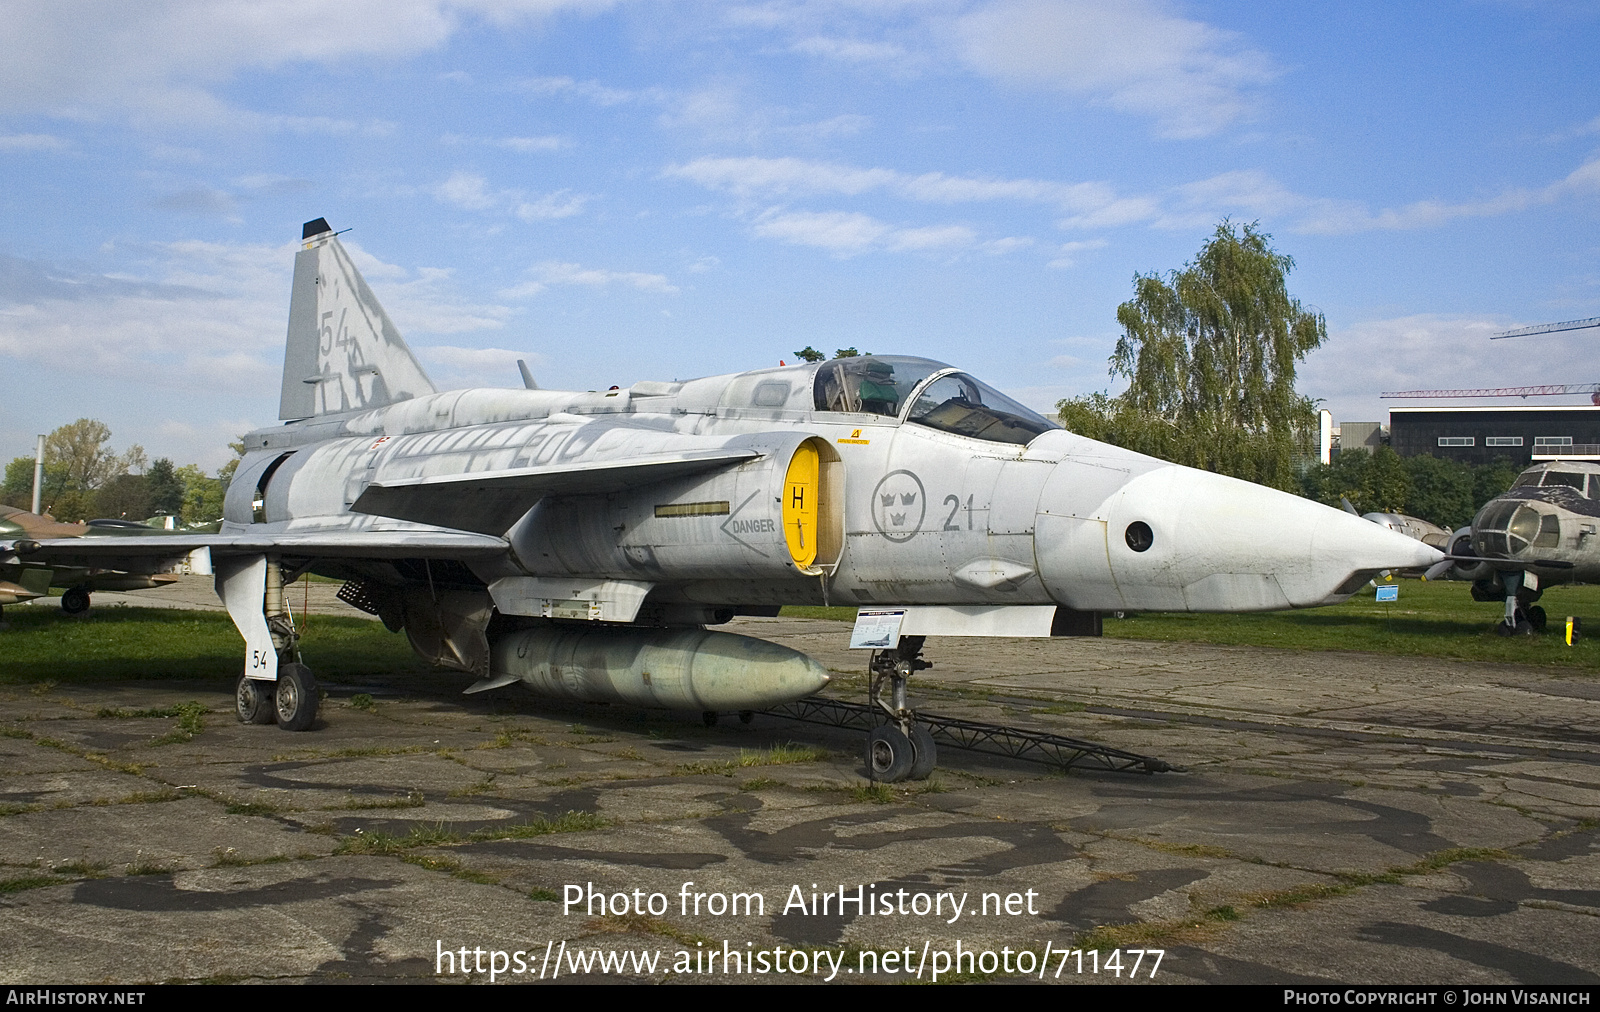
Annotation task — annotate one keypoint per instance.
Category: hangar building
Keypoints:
(1478, 435)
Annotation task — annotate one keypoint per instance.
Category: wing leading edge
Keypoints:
(490, 502)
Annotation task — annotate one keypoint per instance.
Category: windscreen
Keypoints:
(1564, 478)
(960, 404)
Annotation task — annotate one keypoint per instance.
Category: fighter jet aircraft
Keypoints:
(20, 582)
(581, 542)
(1541, 531)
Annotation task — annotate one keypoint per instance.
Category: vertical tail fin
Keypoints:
(343, 354)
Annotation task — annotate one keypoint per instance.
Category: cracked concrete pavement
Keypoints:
(1344, 818)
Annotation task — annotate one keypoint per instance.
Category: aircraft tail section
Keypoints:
(344, 353)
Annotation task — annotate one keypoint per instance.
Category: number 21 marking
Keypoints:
(954, 502)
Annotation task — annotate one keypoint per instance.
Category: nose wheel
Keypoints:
(901, 749)
(1522, 616)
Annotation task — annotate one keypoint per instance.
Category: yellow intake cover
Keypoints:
(800, 492)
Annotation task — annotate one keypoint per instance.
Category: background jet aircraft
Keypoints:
(1412, 527)
(580, 542)
(21, 581)
(1541, 531)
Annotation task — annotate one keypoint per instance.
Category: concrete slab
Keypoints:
(1346, 819)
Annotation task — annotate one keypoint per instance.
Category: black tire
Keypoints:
(296, 698)
(889, 755)
(1537, 618)
(253, 700)
(746, 716)
(925, 753)
(75, 601)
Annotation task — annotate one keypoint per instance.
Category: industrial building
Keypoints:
(1478, 435)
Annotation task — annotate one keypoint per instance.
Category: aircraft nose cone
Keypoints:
(1179, 539)
(1239, 546)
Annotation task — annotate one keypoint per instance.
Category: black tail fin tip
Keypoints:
(316, 227)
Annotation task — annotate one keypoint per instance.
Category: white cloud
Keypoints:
(849, 50)
(846, 234)
(1010, 244)
(754, 176)
(930, 237)
(560, 204)
(842, 232)
(1136, 57)
(553, 273)
(525, 145)
(468, 191)
(1257, 194)
(454, 367)
(528, 144)
(471, 192)
(31, 142)
(198, 314)
(1067, 253)
(1096, 205)
(201, 200)
(1338, 217)
(159, 59)
(592, 91)
(1087, 205)
(1432, 352)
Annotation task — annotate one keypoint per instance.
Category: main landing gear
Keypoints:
(901, 749)
(75, 601)
(290, 702)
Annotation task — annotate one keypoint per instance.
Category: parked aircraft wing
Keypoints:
(490, 502)
(135, 553)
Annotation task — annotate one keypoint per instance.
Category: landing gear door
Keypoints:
(241, 582)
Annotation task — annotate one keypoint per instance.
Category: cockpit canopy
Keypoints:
(1543, 477)
(927, 393)
(1508, 526)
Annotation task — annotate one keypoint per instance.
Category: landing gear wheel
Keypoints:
(709, 718)
(889, 754)
(926, 753)
(75, 601)
(746, 716)
(1537, 618)
(253, 699)
(297, 697)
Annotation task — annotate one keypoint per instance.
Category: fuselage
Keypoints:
(1550, 515)
(930, 488)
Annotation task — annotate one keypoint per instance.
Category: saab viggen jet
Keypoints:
(582, 542)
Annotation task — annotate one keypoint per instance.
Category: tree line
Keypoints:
(1210, 354)
(85, 479)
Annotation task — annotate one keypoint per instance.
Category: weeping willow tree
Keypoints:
(1209, 353)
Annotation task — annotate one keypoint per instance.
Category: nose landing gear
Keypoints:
(1522, 616)
(901, 749)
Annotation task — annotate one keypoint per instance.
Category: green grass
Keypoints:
(112, 644)
(437, 835)
(44, 646)
(1430, 620)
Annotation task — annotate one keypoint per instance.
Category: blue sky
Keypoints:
(653, 189)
